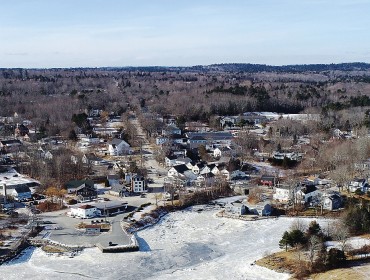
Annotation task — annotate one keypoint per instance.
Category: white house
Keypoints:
(161, 140)
(283, 193)
(85, 211)
(91, 159)
(332, 201)
(236, 208)
(307, 194)
(118, 147)
(238, 174)
(261, 209)
(177, 171)
(48, 155)
(138, 184)
(217, 153)
(92, 229)
(170, 160)
(288, 155)
(357, 184)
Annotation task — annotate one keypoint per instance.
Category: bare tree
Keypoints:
(314, 246)
(298, 224)
(341, 234)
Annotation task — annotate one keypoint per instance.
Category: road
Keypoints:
(149, 162)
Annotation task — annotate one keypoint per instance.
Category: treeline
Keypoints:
(246, 67)
(50, 97)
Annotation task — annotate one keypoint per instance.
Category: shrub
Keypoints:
(359, 192)
(336, 258)
(72, 201)
(48, 206)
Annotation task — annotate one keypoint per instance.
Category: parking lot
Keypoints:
(63, 229)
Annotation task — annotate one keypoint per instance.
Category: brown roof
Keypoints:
(92, 226)
(87, 206)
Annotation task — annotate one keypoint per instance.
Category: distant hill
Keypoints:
(233, 67)
(252, 68)
(243, 67)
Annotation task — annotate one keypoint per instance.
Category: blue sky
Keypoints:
(94, 33)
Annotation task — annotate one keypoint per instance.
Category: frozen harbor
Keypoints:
(184, 245)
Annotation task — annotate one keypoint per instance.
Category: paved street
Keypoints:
(154, 168)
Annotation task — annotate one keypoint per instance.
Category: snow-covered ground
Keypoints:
(190, 244)
(353, 243)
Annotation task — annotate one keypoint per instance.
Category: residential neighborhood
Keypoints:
(110, 174)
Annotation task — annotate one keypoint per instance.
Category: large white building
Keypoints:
(85, 211)
(138, 184)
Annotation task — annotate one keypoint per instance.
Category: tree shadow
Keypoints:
(143, 245)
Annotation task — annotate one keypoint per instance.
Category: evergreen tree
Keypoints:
(313, 229)
(285, 241)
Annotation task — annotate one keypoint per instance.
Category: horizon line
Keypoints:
(183, 66)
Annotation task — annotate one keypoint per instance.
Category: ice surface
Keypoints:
(184, 245)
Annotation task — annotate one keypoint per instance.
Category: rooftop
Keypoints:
(110, 204)
(12, 178)
(76, 183)
(86, 206)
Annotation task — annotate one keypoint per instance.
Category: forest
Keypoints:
(51, 97)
